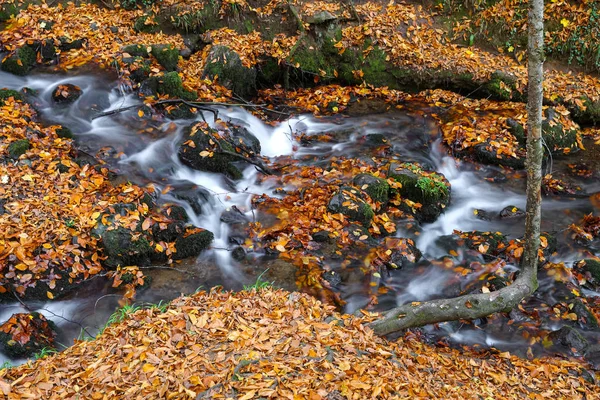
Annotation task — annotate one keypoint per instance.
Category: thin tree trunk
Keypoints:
(482, 304)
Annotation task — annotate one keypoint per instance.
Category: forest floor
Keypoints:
(265, 343)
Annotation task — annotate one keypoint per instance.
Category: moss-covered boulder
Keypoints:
(66, 93)
(9, 9)
(169, 233)
(137, 50)
(20, 61)
(349, 201)
(122, 248)
(169, 83)
(232, 73)
(64, 132)
(17, 148)
(190, 18)
(166, 55)
(570, 338)
(556, 137)
(138, 67)
(146, 24)
(430, 189)
(206, 149)
(6, 94)
(25, 334)
(192, 242)
(378, 189)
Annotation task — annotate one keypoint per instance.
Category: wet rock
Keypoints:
(25, 334)
(48, 50)
(233, 215)
(166, 55)
(487, 154)
(122, 248)
(242, 137)
(586, 319)
(592, 355)
(334, 278)
(404, 253)
(227, 65)
(321, 236)
(66, 93)
(139, 68)
(19, 62)
(196, 150)
(511, 212)
(429, 189)
(17, 148)
(570, 338)
(175, 212)
(378, 189)
(169, 233)
(238, 254)
(192, 242)
(590, 268)
(484, 215)
(349, 201)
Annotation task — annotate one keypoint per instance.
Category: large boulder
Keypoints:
(227, 65)
(430, 189)
(20, 61)
(66, 93)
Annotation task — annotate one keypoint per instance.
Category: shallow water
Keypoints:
(151, 157)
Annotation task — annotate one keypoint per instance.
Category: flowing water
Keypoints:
(144, 151)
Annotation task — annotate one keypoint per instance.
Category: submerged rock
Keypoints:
(66, 93)
(25, 334)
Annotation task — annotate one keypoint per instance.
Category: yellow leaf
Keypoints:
(565, 22)
(511, 49)
(280, 248)
(27, 177)
(159, 248)
(50, 295)
(140, 113)
(21, 267)
(248, 395)
(148, 368)
(204, 153)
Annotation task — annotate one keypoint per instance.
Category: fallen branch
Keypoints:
(470, 306)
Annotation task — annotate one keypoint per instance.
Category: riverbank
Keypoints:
(270, 343)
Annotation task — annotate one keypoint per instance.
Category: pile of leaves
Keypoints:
(277, 344)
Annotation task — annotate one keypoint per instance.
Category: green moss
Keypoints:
(348, 201)
(227, 65)
(18, 148)
(146, 24)
(166, 55)
(64, 132)
(501, 87)
(136, 50)
(171, 84)
(21, 62)
(7, 93)
(122, 248)
(589, 115)
(377, 188)
(192, 245)
(10, 9)
(198, 21)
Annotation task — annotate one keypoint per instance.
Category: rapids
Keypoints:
(146, 153)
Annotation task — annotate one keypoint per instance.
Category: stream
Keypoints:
(145, 152)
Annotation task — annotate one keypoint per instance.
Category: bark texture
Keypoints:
(478, 305)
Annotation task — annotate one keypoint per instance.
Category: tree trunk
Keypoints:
(478, 305)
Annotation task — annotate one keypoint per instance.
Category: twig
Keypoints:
(68, 320)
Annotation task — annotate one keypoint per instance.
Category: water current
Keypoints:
(145, 152)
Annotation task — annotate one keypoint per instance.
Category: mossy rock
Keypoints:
(146, 24)
(586, 318)
(378, 189)
(66, 43)
(18, 148)
(66, 93)
(166, 55)
(20, 62)
(570, 338)
(589, 114)
(227, 65)
(170, 233)
(517, 130)
(195, 21)
(122, 248)
(349, 202)
(180, 111)
(170, 84)
(137, 50)
(404, 253)
(591, 270)
(556, 137)
(8, 93)
(9, 9)
(202, 156)
(64, 132)
(24, 334)
(501, 86)
(430, 189)
(191, 245)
